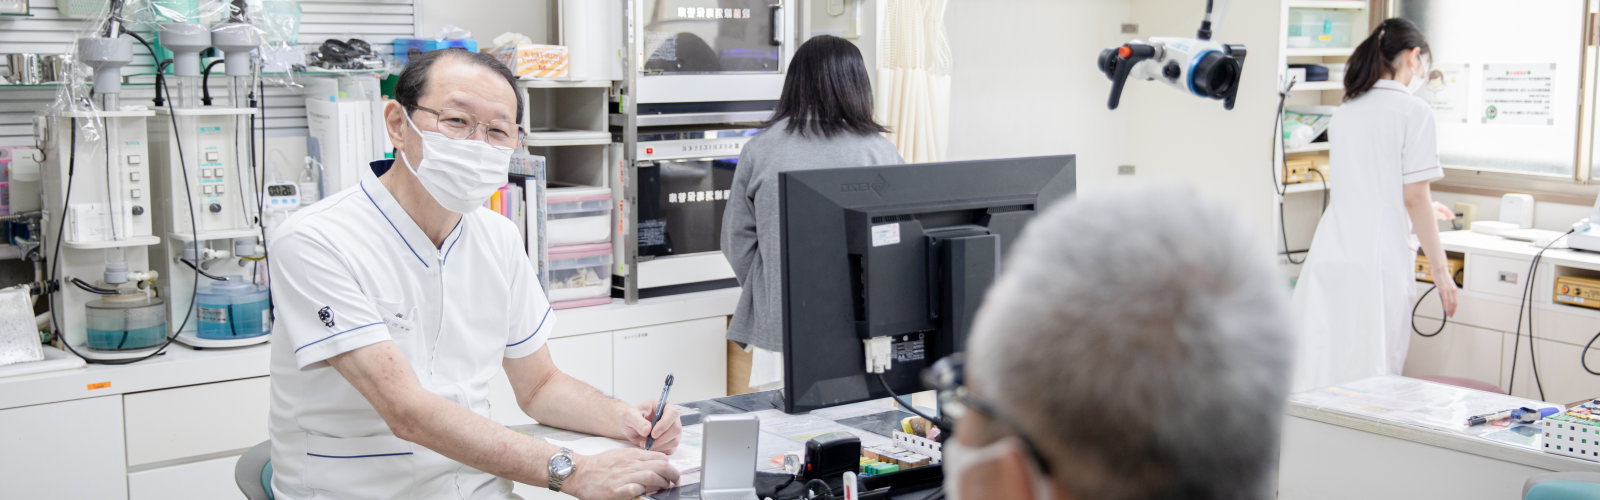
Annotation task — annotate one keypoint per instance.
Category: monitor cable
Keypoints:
(905, 404)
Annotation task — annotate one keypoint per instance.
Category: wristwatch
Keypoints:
(561, 468)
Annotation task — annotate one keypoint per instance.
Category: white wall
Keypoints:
(1026, 83)
(487, 19)
(1552, 216)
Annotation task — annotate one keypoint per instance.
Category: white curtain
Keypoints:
(914, 78)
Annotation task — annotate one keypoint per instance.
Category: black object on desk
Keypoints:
(900, 254)
(830, 455)
(909, 484)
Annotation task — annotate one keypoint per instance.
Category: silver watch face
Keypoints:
(561, 464)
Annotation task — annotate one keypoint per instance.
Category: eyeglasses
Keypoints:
(947, 377)
(458, 124)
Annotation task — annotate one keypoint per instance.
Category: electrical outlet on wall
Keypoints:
(1125, 170)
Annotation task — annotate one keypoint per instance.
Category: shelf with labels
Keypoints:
(1319, 52)
(566, 137)
(563, 84)
(1318, 86)
(1304, 187)
(1315, 147)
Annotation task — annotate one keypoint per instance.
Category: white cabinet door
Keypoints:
(1560, 370)
(204, 480)
(174, 424)
(587, 358)
(694, 352)
(1459, 351)
(584, 357)
(71, 449)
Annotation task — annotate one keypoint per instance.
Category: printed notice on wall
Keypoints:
(1446, 90)
(1519, 94)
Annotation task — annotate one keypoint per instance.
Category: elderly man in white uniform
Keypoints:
(399, 299)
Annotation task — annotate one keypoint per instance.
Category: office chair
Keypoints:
(253, 472)
(1562, 486)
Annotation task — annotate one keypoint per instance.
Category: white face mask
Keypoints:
(1420, 78)
(960, 460)
(460, 174)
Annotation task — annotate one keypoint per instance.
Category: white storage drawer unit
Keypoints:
(71, 449)
(694, 352)
(196, 421)
(204, 480)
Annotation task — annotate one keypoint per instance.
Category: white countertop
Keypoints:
(182, 366)
(1470, 242)
(1400, 422)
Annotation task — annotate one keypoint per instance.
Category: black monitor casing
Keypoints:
(903, 251)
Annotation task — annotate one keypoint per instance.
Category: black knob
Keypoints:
(138, 210)
(216, 208)
(1172, 71)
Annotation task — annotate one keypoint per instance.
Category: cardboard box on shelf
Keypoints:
(528, 60)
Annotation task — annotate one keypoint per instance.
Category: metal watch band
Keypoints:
(559, 473)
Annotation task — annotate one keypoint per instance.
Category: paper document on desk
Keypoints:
(854, 410)
(686, 459)
(782, 433)
(1416, 402)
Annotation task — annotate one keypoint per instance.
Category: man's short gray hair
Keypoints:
(1140, 338)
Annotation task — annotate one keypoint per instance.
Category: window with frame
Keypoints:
(1509, 84)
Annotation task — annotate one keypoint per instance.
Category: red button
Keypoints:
(649, 151)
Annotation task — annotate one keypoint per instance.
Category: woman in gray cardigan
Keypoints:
(823, 120)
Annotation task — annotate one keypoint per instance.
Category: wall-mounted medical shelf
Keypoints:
(1318, 86)
(1304, 187)
(1327, 4)
(1311, 148)
(1329, 52)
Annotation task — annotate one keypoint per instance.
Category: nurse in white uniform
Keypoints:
(1354, 298)
(400, 299)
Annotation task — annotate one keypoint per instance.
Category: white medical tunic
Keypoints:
(1353, 302)
(355, 270)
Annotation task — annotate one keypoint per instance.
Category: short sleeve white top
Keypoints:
(354, 270)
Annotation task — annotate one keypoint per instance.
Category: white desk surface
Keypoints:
(1470, 242)
(182, 366)
(1376, 423)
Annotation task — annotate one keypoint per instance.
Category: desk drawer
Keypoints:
(196, 420)
(1496, 275)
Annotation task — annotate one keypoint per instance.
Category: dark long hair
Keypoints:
(1376, 55)
(827, 92)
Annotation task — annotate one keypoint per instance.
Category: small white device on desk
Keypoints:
(730, 449)
(1586, 236)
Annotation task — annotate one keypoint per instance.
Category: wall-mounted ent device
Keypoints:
(209, 211)
(97, 196)
(1198, 66)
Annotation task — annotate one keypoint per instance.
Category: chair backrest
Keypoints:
(251, 472)
(1562, 486)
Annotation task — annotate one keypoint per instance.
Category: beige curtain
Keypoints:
(914, 78)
